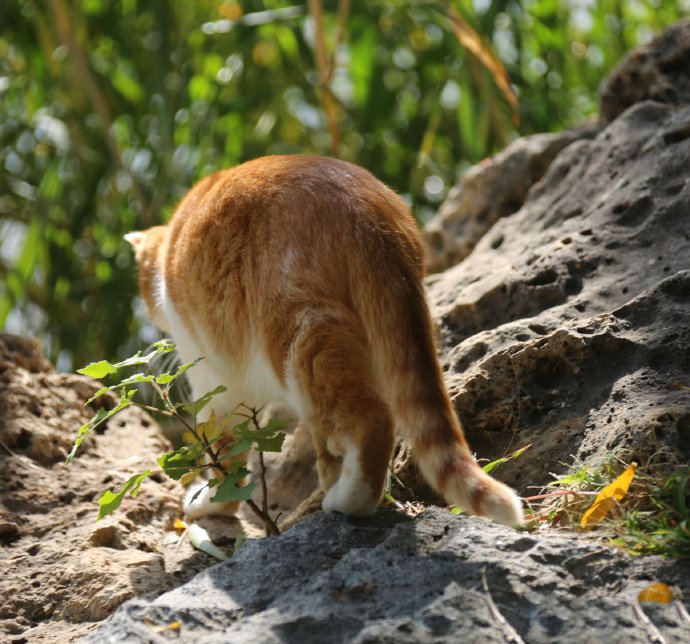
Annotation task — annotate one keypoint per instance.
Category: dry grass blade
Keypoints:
(327, 100)
(343, 13)
(511, 634)
(682, 612)
(472, 41)
(654, 633)
(22, 460)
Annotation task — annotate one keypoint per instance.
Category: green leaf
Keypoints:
(101, 416)
(228, 490)
(176, 464)
(242, 445)
(196, 406)
(197, 493)
(110, 501)
(166, 378)
(136, 378)
(489, 467)
(98, 370)
(104, 368)
(98, 394)
(270, 443)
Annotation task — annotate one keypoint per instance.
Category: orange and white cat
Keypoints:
(299, 279)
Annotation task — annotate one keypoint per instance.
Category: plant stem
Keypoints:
(269, 525)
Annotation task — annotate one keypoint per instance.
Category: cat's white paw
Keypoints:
(347, 499)
(202, 506)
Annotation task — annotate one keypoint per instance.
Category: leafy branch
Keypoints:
(215, 446)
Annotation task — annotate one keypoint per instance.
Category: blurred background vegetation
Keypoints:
(111, 109)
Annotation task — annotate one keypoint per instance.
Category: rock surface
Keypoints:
(495, 188)
(566, 328)
(659, 71)
(62, 571)
(330, 579)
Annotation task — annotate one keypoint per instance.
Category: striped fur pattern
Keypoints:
(299, 278)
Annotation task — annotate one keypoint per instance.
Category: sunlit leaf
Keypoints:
(489, 467)
(178, 463)
(98, 370)
(166, 378)
(606, 499)
(201, 540)
(196, 406)
(657, 592)
(101, 416)
(155, 628)
(110, 501)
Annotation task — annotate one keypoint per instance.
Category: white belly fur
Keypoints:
(253, 384)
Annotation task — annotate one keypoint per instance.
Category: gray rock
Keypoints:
(330, 579)
(495, 188)
(659, 71)
(567, 325)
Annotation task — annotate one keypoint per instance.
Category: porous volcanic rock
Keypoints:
(434, 578)
(659, 71)
(567, 326)
(62, 571)
(495, 188)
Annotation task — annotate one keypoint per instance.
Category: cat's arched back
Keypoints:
(299, 278)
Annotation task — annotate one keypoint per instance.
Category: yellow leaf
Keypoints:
(188, 438)
(155, 628)
(606, 499)
(656, 592)
(179, 525)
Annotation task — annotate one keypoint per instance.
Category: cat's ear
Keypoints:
(136, 241)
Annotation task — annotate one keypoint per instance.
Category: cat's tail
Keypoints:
(411, 375)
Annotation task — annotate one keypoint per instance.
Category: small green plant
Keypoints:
(644, 512)
(656, 519)
(215, 446)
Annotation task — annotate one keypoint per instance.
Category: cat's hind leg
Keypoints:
(351, 425)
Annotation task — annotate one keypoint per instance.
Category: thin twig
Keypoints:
(264, 487)
(682, 611)
(654, 633)
(511, 634)
(343, 13)
(83, 77)
(19, 458)
(271, 527)
(153, 409)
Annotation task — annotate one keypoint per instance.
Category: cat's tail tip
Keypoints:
(499, 503)
(478, 493)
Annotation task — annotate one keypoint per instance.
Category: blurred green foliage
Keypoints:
(111, 109)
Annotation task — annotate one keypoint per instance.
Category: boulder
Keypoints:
(495, 188)
(566, 327)
(434, 578)
(658, 71)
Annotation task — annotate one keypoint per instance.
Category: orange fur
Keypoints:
(300, 277)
